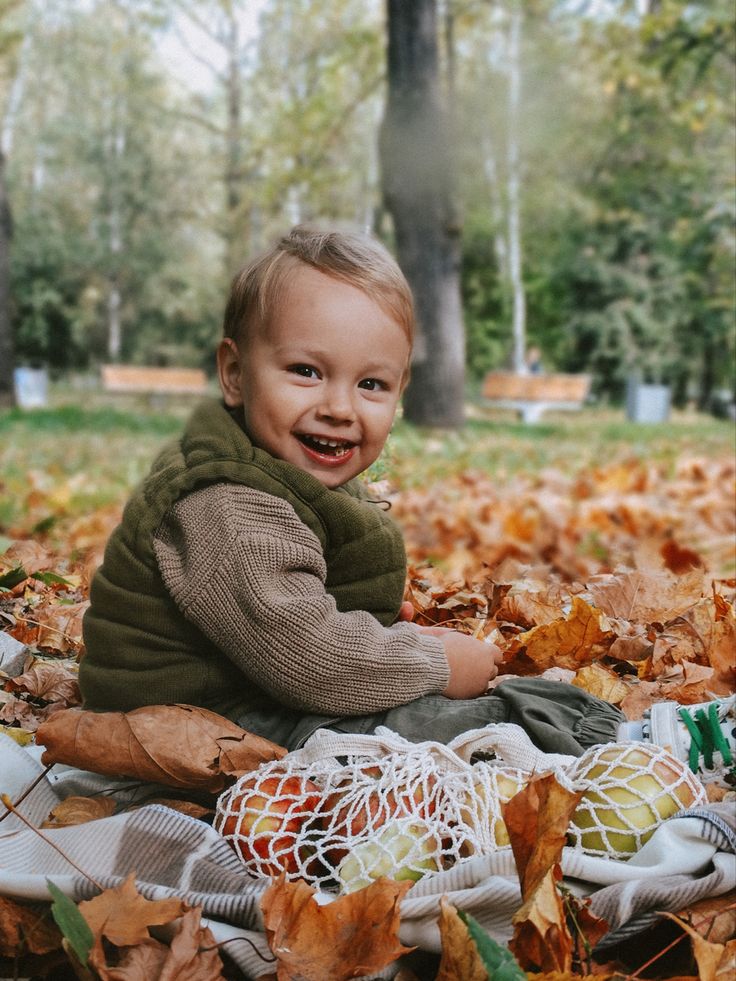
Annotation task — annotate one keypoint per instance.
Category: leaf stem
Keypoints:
(27, 791)
(11, 807)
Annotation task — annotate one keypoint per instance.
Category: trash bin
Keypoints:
(647, 403)
(31, 387)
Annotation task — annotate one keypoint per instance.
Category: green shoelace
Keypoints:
(706, 737)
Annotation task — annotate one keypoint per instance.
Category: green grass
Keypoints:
(85, 455)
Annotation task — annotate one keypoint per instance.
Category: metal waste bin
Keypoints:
(647, 403)
(31, 387)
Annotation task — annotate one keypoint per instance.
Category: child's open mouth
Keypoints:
(334, 450)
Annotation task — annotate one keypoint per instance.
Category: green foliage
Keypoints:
(500, 962)
(71, 923)
(118, 175)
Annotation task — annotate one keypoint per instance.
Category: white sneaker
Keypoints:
(704, 735)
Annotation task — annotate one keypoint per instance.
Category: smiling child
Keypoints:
(253, 575)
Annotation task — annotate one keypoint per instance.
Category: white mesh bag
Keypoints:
(629, 789)
(346, 810)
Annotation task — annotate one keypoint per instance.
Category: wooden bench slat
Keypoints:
(135, 380)
(536, 388)
(531, 395)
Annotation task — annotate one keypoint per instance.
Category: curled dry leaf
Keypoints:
(460, 958)
(49, 681)
(716, 962)
(541, 940)
(177, 745)
(537, 819)
(190, 955)
(354, 935)
(79, 810)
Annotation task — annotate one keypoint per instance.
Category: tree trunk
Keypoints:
(233, 156)
(417, 187)
(514, 207)
(7, 347)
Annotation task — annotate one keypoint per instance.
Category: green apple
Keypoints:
(630, 790)
(483, 805)
(402, 850)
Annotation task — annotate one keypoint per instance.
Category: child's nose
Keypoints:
(337, 403)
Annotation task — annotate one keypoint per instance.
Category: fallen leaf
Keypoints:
(460, 958)
(27, 929)
(177, 745)
(537, 819)
(541, 940)
(49, 681)
(651, 597)
(716, 962)
(190, 954)
(565, 643)
(602, 682)
(123, 916)
(714, 917)
(679, 559)
(79, 810)
(354, 935)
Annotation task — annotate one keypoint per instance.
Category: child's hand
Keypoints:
(472, 662)
(406, 612)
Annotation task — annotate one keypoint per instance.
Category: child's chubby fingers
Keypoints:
(406, 612)
(473, 664)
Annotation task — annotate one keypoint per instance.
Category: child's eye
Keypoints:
(303, 370)
(373, 385)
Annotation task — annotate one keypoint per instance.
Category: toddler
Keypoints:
(253, 575)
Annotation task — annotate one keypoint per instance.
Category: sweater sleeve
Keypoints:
(250, 575)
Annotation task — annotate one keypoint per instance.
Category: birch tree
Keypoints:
(12, 81)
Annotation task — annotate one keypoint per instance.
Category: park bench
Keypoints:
(532, 395)
(154, 382)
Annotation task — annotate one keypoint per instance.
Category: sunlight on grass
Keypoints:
(62, 463)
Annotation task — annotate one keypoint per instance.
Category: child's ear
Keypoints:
(229, 372)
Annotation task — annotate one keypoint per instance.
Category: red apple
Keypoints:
(262, 819)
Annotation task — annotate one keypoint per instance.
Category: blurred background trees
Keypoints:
(151, 146)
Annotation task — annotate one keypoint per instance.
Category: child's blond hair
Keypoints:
(353, 257)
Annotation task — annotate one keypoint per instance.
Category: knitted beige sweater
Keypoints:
(250, 575)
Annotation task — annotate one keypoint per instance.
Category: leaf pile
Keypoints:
(619, 577)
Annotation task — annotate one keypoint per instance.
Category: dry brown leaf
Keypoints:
(31, 555)
(528, 609)
(716, 962)
(714, 917)
(139, 963)
(647, 597)
(123, 916)
(49, 681)
(541, 940)
(460, 958)
(566, 643)
(190, 955)
(27, 929)
(188, 807)
(177, 745)
(79, 810)
(356, 934)
(52, 625)
(537, 819)
(679, 559)
(602, 682)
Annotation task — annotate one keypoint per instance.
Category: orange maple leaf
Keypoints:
(354, 935)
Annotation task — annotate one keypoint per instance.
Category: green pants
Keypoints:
(558, 718)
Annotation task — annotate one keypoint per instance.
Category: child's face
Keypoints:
(320, 384)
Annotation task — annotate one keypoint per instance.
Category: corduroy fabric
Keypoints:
(140, 649)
